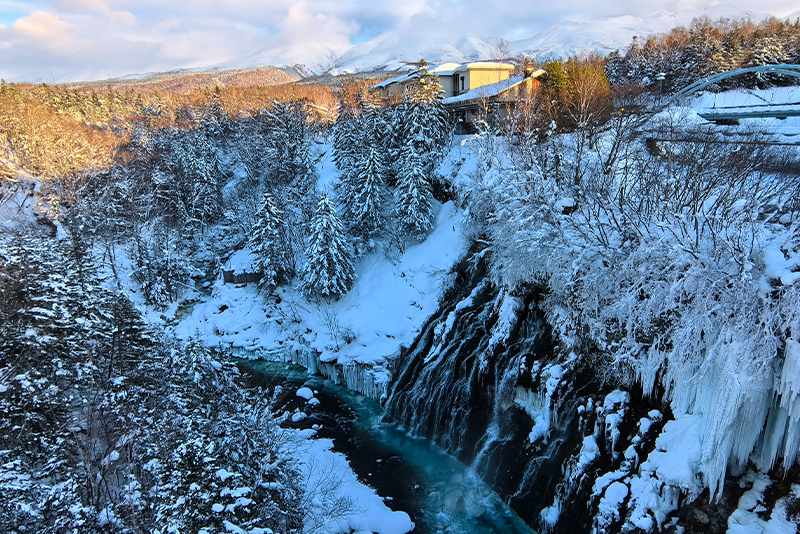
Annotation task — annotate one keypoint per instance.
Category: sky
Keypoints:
(59, 40)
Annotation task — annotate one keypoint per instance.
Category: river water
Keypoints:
(441, 494)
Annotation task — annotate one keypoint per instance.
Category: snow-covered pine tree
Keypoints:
(374, 124)
(268, 243)
(414, 195)
(329, 271)
(427, 120)
(396, 120)
(616, 68)
(344, 136)
(366, 203)
(346, 152)
(197, 175)
(288, 141)
(767, 51)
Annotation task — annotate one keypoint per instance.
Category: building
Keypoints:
(394, 89)
(469, 90)
(470, 76)
(455, 79)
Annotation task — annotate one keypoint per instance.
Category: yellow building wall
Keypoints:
(479, 78)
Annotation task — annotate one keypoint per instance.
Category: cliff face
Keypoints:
(558, 438)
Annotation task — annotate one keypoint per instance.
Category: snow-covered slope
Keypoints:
(602, 35)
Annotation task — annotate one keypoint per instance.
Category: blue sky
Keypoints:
(49, 40)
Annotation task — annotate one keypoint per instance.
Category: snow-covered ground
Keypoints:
(391, 299)
(330, 480)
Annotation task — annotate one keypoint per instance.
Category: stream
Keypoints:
(441, 494)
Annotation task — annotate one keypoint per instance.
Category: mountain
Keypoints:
(396, 49)
(186, 80)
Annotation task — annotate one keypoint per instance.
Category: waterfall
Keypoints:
(486, 382)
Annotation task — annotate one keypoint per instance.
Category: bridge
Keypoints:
(757, 111)
(780, 111)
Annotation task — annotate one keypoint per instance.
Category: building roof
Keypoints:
(485, 91)
(398, 79)
(445, 69)
(484, 65)
(491, 90)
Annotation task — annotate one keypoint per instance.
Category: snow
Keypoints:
(778, 267)
(677, 455)
(240, 262)
(329, 472)
(550, 515)
(785, 130)
(669, 471)
(507, 317)
(613, 498)
(305, 393)
(745, 519)
(445, 69)
(387, 306)
(538, 405)
(298, 416)
(589, 452)
(614, 407)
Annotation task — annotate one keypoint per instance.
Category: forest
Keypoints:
(666, 266)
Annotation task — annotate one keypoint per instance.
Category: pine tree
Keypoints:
(288, 141)
(344, 137)
(427, 90)
(396, 120)
(374, 125)
(346, 150)
(414, 195)
(369, 191)
(268, 243)
(616, 68)
(767, 51)
(329, 271)
(426, 120)
(198, 174)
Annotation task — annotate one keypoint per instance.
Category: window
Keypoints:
(462, 83)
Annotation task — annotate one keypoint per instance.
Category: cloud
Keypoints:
(47, 30)
(69, 39)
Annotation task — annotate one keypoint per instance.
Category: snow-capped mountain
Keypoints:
(397, 49)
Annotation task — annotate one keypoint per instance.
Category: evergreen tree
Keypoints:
(197, 173)
(268, 243)
(427, 120)
(346, 150)
(414, 195)
(427, 90)
(288, 141)
(767, 51)
(374, 125)
(369, 191)
(616, 68)
(345, 138)
(329, 271)
(396, 120)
